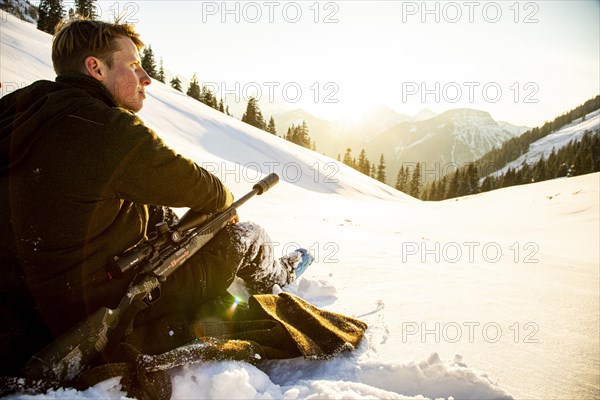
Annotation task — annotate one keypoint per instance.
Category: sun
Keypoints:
(355, 111)
(349, 111)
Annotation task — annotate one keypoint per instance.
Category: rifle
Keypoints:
(153, 260)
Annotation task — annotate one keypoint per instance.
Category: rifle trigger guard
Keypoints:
(153, 296)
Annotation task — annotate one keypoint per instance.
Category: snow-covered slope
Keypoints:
(21, 8)
(488, 296)
(555, 141)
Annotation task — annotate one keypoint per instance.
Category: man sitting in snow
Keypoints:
(79, 173)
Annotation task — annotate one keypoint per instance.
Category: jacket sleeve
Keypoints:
(146, 171)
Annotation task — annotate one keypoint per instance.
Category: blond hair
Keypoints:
(78, 38)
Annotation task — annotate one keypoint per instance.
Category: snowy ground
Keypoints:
(488, 296)
(555, 141)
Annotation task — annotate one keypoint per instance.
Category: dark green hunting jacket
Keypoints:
(76, 176)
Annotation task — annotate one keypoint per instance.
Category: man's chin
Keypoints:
(133, 107)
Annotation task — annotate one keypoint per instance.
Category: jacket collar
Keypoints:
(94, 87)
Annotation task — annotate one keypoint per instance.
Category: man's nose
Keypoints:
(145, 78)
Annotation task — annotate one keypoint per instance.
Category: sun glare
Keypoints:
(351, 112)
(355, 112)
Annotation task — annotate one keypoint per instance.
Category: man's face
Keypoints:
(126, 80)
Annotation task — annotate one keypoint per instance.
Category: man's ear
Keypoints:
(94, 67)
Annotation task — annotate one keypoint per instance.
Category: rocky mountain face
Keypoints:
(442, 142)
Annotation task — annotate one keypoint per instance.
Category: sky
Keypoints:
(524, 62)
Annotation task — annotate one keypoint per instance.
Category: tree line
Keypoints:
(578, 157)
(362, 164)
(298, 134)
(517, 146)
(201, 93)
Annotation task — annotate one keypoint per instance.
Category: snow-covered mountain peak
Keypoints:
(477, 128)
(465, 113)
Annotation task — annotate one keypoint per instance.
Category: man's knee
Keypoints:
(246, 234)
(234, 251)
(212, 270)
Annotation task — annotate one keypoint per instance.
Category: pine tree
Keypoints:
(552, 165)
(207, 97)
(373, 173)
(442, 187)
(402, 179)
(399, 178)
(508, 179)
(562, 170)
(271, 126)
(194, 88)
(348, 158)
(161, 72)
(304, 136)
(595, 146)
(148, 62)
(50, 12)
(452, 190)
(539, 171)
(415, 182)
(364, 165)
(86, 8)
(463, 185)
(487, 184)
(299, 135)
(526, 173)
(221, 105)
(292, 134)
(253, 115)
(381, 170)
(472, 179)
(176, 84)
(433, 193)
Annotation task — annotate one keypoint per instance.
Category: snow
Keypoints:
(555, 141)
(22, 8)
(486, 296)
(478, 130)
(514, 130)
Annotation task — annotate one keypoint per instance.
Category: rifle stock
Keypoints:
(68, 355)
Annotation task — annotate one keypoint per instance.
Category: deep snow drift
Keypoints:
(488, 296)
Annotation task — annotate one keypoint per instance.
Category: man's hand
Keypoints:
(234, 220)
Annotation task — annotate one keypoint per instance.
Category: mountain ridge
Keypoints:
(334, 137)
